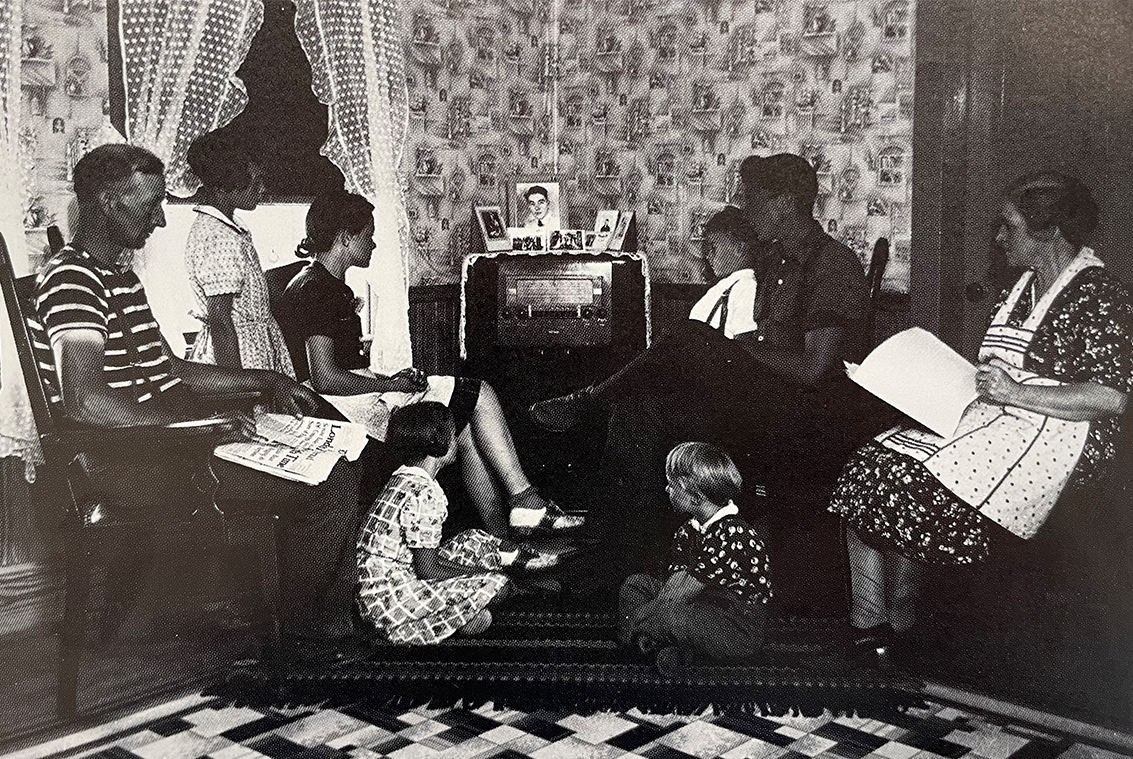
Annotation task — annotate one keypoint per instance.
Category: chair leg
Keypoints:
(72, 635)
(127, 574)
(268, 553)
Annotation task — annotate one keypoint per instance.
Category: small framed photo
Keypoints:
(593, 241)
(604, 226)
(536, 203)
(492, 228)
(527, 240)
(606, 221)
(566, 239)
(618, 238)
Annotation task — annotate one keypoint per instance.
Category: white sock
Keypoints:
(521, 517)
(507, 558)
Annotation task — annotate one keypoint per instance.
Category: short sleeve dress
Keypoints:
(409, 514)
(221, 260)
(892, 500)
(316, 302)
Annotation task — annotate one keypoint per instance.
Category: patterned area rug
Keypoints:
(556, 660)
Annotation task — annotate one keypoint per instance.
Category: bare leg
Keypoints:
(493, 440)
(867, 583)
(528, 511)
(479, 484)
(902, 588)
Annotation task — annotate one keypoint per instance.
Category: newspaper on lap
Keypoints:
(304, 450)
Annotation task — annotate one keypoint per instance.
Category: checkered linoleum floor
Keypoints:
(200, 727)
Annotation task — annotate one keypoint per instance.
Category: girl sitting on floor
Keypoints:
(414, 589)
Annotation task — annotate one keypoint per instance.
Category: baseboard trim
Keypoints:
(1101, 736)
(90, 737)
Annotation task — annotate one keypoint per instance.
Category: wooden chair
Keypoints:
(877, 263)
(277, 280)
(91, 525)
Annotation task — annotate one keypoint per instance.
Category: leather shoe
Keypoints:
(562, 413)
(870, 646)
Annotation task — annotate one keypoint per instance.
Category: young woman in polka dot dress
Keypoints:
(1056, 369)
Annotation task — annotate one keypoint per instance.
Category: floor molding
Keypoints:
(1084, 730)
(84, 738)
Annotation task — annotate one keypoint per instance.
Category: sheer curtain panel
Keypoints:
(358, 72)
(17, 430)
(180, 59)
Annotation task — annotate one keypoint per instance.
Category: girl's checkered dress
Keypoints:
(408, 514)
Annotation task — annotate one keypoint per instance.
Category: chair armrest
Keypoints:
(243, 400)
(234, 396)
(201, 432)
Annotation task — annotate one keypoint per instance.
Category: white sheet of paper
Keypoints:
(919, 375)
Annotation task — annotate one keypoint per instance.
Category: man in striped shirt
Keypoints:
(109, 366)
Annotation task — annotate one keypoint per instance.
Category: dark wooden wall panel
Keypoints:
(434, 326)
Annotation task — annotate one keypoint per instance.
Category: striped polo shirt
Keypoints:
(77, 291)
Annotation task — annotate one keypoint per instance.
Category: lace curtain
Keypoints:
(181, 58)
(358, 71)
(17, 430)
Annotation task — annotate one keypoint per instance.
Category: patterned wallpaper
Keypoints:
(64, 105)
(632, 104)
(650, 106)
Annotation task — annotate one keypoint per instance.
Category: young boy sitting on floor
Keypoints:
(712, 607)
(414, 589)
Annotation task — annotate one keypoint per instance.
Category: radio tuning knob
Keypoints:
(587, 312)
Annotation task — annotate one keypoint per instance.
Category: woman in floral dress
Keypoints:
(1056, 368)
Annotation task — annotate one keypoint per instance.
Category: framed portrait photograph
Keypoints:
(565, 239)
(524, 239)
(492, 227)
(618, 238)
(591, 241)
(604, 225)
(537, 203)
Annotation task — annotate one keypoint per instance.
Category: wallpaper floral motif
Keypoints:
(650, 107)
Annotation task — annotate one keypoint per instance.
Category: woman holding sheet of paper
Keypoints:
(319, 311)
(1056, 367)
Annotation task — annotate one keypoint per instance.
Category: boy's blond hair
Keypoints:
(707, 470)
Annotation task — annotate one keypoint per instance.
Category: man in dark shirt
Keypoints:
(110, 367)
(747, 394)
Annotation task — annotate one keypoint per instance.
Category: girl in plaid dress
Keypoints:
(414, 589)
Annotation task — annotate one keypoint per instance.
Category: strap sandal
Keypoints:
(561, 413)
(562, 521)
(529, 559)
(543, 522)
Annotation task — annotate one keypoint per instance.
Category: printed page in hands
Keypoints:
(303, 450)
(919, 375)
